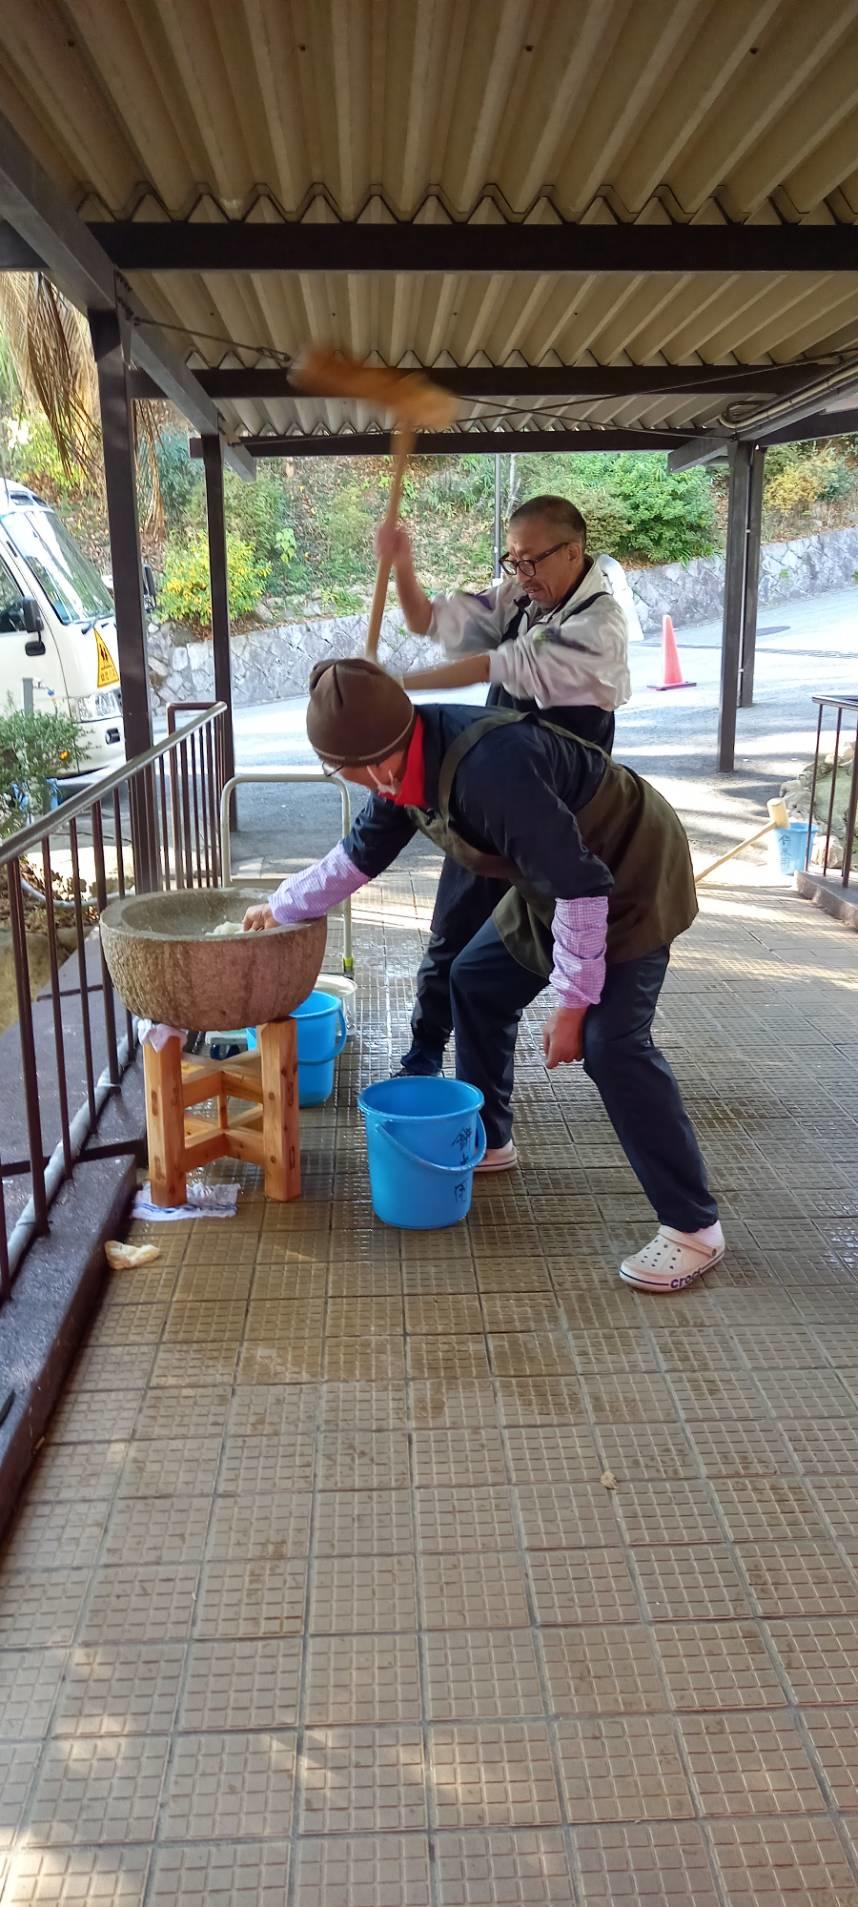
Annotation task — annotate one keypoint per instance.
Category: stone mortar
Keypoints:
(165, 969)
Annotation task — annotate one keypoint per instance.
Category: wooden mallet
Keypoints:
(778, 818)
(414, 403)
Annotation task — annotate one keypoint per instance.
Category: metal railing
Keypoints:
(151, 824)
(280, 776)
(844, 705)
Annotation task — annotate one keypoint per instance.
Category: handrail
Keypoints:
(845, 705)
(59, 1037)
(37, 831)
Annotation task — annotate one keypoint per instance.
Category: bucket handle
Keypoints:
(343, 1032)
(468, 1165)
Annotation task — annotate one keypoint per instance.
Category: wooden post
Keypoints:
(165, 1122)
(278, 1053)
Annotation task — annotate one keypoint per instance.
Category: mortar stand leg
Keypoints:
(281, 1140)
(165, 1123)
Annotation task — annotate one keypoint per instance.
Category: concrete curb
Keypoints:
(58, 1289)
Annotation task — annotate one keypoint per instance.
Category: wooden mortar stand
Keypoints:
(266, 1135)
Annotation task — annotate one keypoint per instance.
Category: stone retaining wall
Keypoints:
(273, 662)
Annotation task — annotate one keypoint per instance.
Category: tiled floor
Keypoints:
(440, 1570)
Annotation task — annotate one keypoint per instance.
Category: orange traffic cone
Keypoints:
(671, 667)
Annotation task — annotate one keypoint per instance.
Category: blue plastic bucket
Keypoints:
(788, 847)
(322, 1034)
(424, 1138)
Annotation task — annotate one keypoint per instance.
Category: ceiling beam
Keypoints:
(545, 381)
(31, 204)
(453, 443)
(698, 450)
(804, 407)
(15, 253)
(399, 246)
(75, 262)
(819, 424)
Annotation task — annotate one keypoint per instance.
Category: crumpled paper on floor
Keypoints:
(122, 1257)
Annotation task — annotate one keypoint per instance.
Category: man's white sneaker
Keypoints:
(674, 1260)
(499, 1158)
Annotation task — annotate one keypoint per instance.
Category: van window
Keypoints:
(11, 604)
(70, 581)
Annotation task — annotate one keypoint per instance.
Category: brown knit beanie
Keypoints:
(358, 714)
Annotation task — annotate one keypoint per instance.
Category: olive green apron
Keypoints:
(627, 825)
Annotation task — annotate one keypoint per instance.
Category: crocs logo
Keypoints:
(682, 1284)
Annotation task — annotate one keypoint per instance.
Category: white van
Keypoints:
(57, 627)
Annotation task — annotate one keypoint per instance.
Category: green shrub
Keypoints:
(669, 515)
(635, 508)
(180, 478)
(34, 748)
(185, 592)
(258, 514)
(803, 484)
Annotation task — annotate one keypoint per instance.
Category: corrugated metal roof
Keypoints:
(486, 110)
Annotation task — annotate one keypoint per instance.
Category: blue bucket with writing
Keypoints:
(788, 847)
(424, 1139)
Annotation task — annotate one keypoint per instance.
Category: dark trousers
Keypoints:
(490, 990)
(463, 904)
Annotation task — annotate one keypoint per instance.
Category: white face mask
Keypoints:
(388, 788)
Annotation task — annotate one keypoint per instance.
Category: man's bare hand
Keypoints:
(392, 543)
(257, 920)
(563, 1036)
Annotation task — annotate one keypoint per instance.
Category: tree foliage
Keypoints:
(185, 594)
(302, 534)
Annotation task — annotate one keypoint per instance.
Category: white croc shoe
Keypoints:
(673, 1261)
(499, 1158)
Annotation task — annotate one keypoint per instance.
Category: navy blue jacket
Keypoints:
(516, 793)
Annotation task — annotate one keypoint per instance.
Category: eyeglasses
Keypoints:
(525, 566)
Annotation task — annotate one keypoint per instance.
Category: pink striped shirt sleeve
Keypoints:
(580, 930)
(316, 889)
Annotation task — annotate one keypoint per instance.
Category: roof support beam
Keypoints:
(452, 443)
(545, 381)
(698, 450)
(399, 246)
(66, 250)
(820, 424)
(15, 253)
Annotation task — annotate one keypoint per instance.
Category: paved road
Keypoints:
(802, 647)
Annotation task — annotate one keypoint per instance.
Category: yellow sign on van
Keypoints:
(108, 673)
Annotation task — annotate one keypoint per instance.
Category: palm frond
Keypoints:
(49, 348)
(62, 378)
